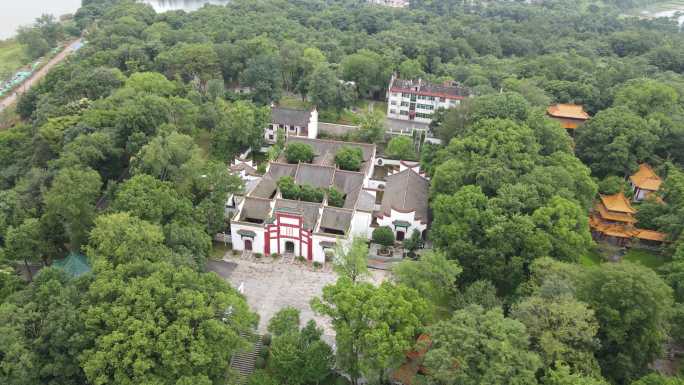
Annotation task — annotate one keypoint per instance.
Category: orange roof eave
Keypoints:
(618, 203)
(645, 178)
(570, 111)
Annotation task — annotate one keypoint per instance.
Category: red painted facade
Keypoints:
(277, 231)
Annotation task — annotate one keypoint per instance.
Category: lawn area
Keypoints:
(218, 250)
(645, 257)
(291, 101)
(12, 58)
(591, 258)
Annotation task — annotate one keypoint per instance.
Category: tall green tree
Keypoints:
(162, 324)
(351, 260)
(374, 326)
(632, 305)
(476, 347)
(71, 199)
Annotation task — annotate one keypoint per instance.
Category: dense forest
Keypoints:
(120, 154)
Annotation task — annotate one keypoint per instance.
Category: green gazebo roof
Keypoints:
(74, 264)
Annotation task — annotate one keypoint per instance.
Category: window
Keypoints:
(404, 104)
(403, 112)
(393, 102)
(270, 137)
(293, 128)
(393, 111)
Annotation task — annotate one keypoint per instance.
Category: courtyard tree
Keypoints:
(351, 260)
(374, 326)
(286, 320)
(299, 152)
(349, 158)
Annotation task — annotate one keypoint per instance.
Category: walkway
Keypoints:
(36, 77)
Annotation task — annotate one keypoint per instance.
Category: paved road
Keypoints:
(9, 100)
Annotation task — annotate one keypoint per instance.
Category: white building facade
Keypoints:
(293, 122)
(264, 222)
(417, 100)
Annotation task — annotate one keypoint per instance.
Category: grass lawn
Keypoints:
(12, 58)
(291, 101)
(591, 258)
(645, 257)
(218, 250)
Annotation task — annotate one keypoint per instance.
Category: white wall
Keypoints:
(313, 125)
(238, 240)
(408, 217)
(360, 225)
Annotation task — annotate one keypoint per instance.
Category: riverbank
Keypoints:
(12, 58)
(40, 73)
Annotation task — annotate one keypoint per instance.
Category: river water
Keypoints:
(14, 13)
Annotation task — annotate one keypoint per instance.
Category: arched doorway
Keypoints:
(248, 244)
(400, 235)
(289, 247)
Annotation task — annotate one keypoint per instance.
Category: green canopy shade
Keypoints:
(75, 265)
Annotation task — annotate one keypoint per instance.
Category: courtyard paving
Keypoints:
(270, 285)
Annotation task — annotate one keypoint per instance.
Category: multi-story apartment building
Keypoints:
(417, 99)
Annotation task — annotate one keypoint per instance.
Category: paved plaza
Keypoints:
(271, 285)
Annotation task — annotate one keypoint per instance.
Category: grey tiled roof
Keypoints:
(255, 209)
(350, 184)
(336, 219)
(317, 176)
(325, 150)
(308, 210)
(290, 116)
(366, 201)
(268, 184)
(406, 191)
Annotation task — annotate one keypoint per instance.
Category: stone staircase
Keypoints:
(243, 363)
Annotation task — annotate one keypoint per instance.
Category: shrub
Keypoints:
(299, 152)
(311, 194)
(300, 259)
(401, 147)
(288, 188)
(286, 320)
(275, 255)
(258, 255)
(260, 363)
(349, 158)
(266, 339)
(317, 265)
(335, 197)
(263, 353)
(383, 236)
